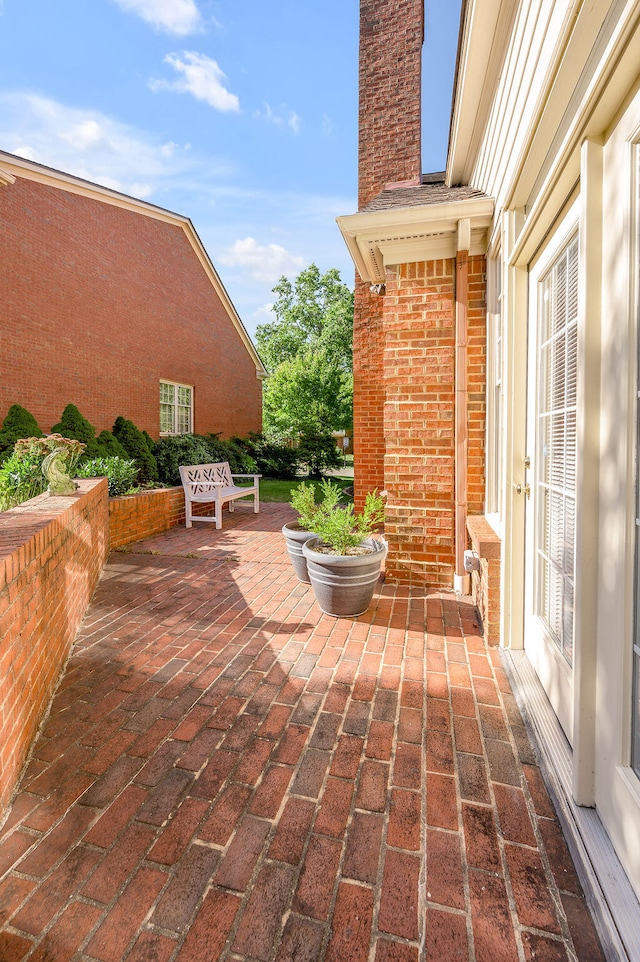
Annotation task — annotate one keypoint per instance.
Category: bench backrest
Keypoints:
(198, 477)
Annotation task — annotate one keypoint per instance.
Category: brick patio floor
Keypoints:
(226, 773)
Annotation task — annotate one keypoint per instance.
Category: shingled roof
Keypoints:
(432, 190)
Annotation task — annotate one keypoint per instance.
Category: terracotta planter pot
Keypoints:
(295, 537)
(344, 584)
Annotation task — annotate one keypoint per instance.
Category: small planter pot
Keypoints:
(295, 537)
(344, 584)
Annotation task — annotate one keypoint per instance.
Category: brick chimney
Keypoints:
(391, 37)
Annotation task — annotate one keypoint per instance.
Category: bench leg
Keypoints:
(256, 503)
(187, 513)
(218, 514)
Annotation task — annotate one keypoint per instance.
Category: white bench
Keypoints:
(214, 484)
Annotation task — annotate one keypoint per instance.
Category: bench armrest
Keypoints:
(254, 476)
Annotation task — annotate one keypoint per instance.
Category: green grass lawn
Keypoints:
(272, 490)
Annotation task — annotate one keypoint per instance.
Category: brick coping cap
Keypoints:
(483, 537)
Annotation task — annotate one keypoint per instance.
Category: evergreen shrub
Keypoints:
(135, 444)
(18, 423)
(110, 447)
(74, 425)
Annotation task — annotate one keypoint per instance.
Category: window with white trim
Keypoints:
(176, 408)
(494, 462)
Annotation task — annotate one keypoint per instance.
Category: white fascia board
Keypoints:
(13, 167)
(6, 178)
(378, 239)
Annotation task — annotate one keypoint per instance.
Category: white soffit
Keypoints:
(379, 239)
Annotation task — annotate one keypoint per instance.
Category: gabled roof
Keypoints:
(13, 167)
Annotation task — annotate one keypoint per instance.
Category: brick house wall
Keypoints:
(419, 410)
(368, 392)
(101, 302)
(405, 386)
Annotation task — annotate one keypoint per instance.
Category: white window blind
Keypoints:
(556, 481)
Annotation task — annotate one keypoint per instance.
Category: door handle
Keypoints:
(524, 489)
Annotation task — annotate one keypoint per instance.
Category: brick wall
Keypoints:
(137, 516)
(100, 303)
(134, 517)
(476, 383)
(368, 392)
(389, 98)
(419, 416)
(51, 555)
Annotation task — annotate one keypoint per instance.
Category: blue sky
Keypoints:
(240, 114)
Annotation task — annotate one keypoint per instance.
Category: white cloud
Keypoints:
(327, 125)
(201, 77)
(289, 118)
(87, 143)
(294, 122)
(178, 17)
(265, 262)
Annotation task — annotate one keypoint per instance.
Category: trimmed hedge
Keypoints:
(181, 449)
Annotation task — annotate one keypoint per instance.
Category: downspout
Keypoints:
(461, 578)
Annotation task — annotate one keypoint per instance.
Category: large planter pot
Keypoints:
(295, 537)
(344, 584)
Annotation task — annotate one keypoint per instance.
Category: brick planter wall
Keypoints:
(51, 555)
(137, 516)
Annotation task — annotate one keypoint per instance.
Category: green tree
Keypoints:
(308, 350)
(308, 393)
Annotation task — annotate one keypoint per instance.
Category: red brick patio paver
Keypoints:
(228, 774)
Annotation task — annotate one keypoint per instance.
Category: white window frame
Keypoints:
(178, 407)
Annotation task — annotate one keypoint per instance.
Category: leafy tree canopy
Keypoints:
(308, 350)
